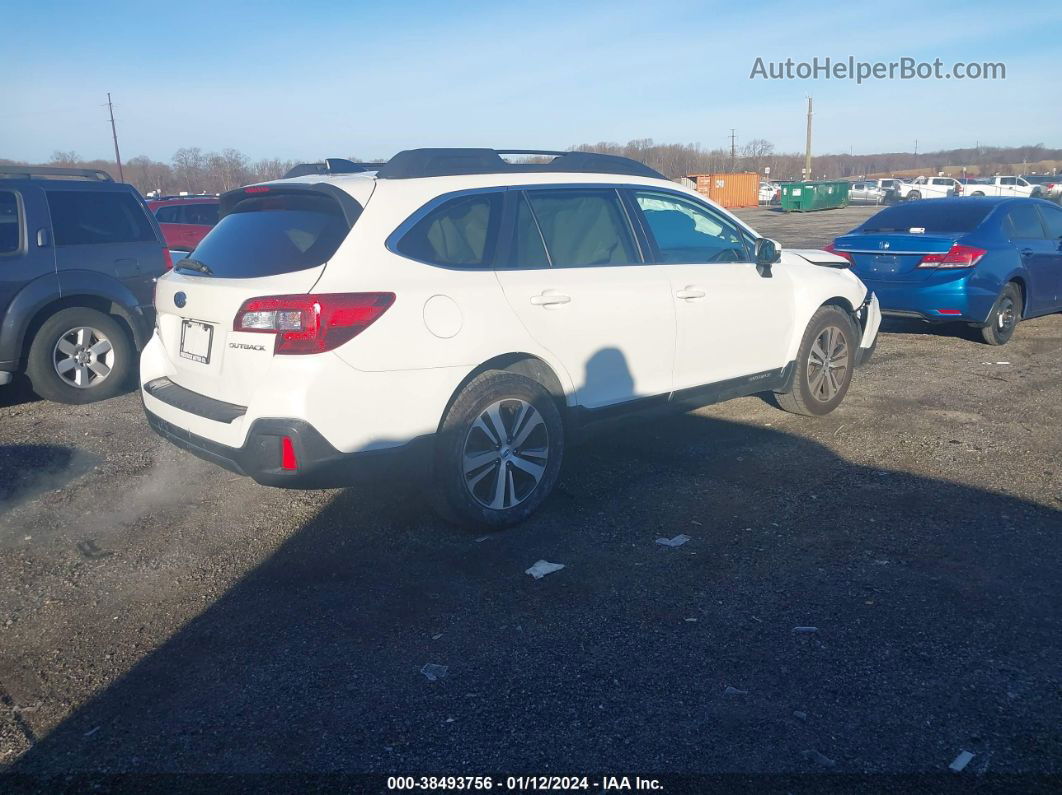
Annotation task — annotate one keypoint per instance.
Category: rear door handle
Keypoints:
(550, 299)
(690, 293)
(1026, 252)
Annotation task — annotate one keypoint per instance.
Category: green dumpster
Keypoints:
(802, 197)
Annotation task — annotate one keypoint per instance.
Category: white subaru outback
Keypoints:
(464, 317)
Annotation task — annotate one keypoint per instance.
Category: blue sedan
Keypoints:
(989, 262)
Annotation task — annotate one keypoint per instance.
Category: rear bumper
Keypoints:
(935, 303)
(319, 464)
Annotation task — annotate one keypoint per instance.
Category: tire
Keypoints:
(914, 196)
(816, 391)
(1005, 316)
(977, 193)
(80, 345)
(491, 480)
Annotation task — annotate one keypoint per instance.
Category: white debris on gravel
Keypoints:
(677, 541)
(433, 672)
(960, 762)
(542, 568)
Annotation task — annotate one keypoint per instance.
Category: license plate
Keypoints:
(885, 263)
(196, 338)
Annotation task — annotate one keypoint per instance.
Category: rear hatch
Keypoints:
(270, 240)
(890, 245)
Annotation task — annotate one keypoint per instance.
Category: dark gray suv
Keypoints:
(79, 255)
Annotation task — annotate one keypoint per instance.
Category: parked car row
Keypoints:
(456, 318)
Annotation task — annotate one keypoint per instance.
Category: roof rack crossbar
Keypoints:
(29, 172)
(413, 163)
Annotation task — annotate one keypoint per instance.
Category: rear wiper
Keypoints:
(193, 265)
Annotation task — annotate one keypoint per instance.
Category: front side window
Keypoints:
(10, 223)
(1052, 221)
(1024, 223)
(686, 233)
(85, 217)
(583, 228)
(458, 233)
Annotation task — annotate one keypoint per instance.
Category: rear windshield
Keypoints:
(269, 235)
(962, 216)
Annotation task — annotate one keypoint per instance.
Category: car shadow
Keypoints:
(17, 393)
(928, 612)
(900, 325)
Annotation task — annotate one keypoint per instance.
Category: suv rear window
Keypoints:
(10, 227)
(89, 217)
(273, 234)
(944, 217)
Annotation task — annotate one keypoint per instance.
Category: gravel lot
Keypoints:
(159, 614)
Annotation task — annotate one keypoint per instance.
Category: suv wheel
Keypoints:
(1005, 316)
(500, 451)
(80, 355)
(914, 196)
(824, 364)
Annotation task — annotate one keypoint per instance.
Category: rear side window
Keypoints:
(269, 235)
(933, 217)
(10, 223)
(583, 228)
(687, 233)
(86, 217)
(1052, 221)
(458, 233)
(201, 214)
(528, 248)
(1023, 223)
(170, 214)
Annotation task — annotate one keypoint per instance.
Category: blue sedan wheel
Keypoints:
(1005, 316)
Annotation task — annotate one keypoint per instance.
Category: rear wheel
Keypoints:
(1005, 316)
(500, 451)
(79, 356)
(914, 196)
(824, 364)
(977, 193)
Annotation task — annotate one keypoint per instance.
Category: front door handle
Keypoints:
(690, 293)
(550, 299)
(1026, 252)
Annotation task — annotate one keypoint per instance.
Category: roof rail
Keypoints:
(413, 163)
(29, 172)
(331, 165)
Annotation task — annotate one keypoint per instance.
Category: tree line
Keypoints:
(192, 170)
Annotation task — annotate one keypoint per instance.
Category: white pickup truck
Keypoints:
(930, 188)
(1001, 186)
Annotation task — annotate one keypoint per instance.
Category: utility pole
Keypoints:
(733, 151)
(807, 149)
(114, 134)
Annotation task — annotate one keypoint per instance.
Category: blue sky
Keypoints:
(317, 78)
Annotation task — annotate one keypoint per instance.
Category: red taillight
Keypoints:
(312, 323)
(256, 189)
(831, 248)
(287, 455)
(949, 311)
(167, 258)
(958, 257)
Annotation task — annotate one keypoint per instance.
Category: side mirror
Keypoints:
(767, 253)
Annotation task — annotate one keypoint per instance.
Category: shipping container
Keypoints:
(741, 189)
(802, 197)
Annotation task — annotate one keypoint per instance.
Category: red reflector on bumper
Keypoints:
(949, 311)
(287, 455)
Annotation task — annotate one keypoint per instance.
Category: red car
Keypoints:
(185, 220)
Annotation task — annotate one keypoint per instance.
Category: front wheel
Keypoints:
(914, 196)
(80, 355)
(976, 194)
(500, 451)
(1005, 316)
(824, 364)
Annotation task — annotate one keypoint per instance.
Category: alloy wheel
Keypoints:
(505, 454)
(827, 364)
(83, 357)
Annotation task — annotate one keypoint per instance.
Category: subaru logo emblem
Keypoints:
(885, 244)
(180, 299)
